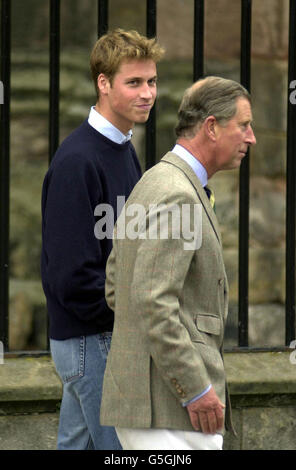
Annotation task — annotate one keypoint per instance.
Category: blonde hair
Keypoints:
(118, 45)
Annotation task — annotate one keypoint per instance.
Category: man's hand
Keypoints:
(206, 413)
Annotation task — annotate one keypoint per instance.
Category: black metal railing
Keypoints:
(4, 170)
(244, 196)
(198, 71)
(291, 186)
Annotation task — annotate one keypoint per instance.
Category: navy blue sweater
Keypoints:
(88, 169)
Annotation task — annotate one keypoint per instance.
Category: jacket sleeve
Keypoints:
(110, 279)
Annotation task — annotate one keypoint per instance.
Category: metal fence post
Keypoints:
(291, 185)
(103, 17)
(198, 48)
(54, 70)
(4, 170)
(151, 123)
(244, 196)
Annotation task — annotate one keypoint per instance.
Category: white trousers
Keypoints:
(167, 439)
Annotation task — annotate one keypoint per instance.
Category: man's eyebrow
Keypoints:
(154, 77)
(250, 120)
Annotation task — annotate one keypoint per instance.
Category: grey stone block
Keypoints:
(269, 428)
(29, 432)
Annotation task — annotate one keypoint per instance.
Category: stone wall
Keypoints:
(29, 140)
(262, 388)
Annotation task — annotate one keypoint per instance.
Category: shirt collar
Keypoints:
(195, 164)
(105, 127)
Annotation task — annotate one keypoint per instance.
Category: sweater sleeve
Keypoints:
(75, 258)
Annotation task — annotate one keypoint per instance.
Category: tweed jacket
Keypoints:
(170, 301)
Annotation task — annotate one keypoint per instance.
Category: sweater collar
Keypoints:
(105, 127)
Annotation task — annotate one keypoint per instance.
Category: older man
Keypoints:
(165, 385)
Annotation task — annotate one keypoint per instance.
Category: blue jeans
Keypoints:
(80, 363)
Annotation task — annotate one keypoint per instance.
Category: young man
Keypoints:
(164, 385)
(93, 166)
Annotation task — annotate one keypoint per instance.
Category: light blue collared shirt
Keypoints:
(105, 127)
(195, 164)
(202, 175)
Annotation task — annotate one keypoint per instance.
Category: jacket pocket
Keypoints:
(208, 324)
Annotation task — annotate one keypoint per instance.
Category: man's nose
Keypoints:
(251, 139)
(146, 91)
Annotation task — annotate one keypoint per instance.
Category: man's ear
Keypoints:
(103, 84)
(210, 127)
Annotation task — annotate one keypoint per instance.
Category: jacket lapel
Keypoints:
(173, 159)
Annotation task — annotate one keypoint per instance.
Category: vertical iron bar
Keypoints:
(54, 87)
(151, 123)
(245, 71)
(5, 169)
(291, 184)
(198, 51)
(54, 84)
(103, 17)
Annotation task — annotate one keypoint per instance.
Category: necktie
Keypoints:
(210, 195)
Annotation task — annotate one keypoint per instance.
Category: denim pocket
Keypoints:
(69, 357)
(105, 343)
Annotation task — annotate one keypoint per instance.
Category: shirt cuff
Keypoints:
(198, 396)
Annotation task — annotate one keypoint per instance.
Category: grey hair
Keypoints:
(210, 96)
